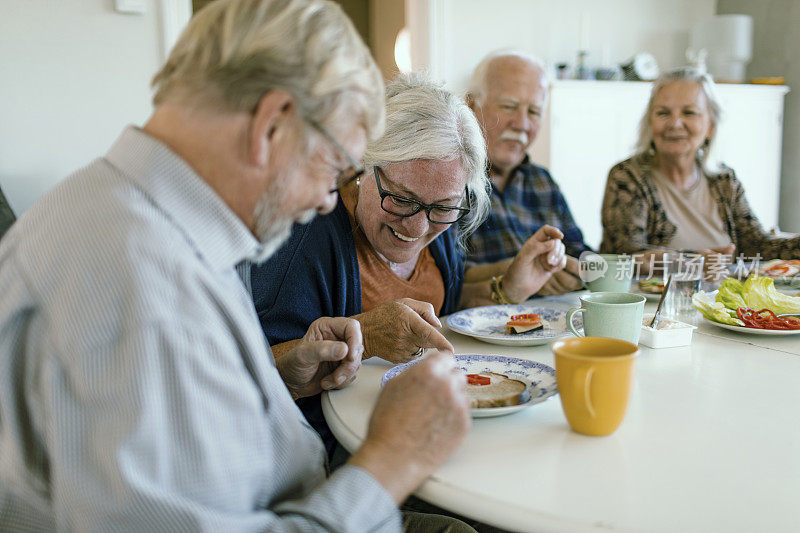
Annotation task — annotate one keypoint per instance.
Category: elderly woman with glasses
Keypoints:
(391, 254)
(665, 196)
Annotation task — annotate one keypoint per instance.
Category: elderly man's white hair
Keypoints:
(234, 51)
(425, 121)
(478, 85)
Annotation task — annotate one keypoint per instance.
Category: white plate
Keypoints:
(754, 331)
(788, 291)
(655, 296)
(790, 281)
(489, 324)
(539, 378)
(649, 295)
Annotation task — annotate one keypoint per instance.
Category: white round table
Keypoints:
(711, 442)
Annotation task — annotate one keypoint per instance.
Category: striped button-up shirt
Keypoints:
(530, 200)
(6, 214)
(137, 392)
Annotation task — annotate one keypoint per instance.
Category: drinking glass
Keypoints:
(686, 270)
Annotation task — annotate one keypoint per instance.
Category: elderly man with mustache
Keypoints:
(508, 94)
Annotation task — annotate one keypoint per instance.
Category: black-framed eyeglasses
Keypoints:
(403, 206)
(348, 175)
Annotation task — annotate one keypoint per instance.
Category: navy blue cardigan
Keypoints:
(316, 274)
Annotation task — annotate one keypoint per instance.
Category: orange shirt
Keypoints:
(379, 284)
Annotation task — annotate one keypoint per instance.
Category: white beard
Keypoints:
(272, 228)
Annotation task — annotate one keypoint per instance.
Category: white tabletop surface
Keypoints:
(711, 443)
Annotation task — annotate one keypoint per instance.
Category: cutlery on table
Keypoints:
(654, 322)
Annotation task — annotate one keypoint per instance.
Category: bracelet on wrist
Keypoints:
(498, 295)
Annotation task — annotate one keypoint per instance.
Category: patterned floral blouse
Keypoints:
(634, 218)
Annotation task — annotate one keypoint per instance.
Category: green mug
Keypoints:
(616, 315)
(606, 272)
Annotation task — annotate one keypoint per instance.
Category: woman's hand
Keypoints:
(537, 260)
(717, 260)
(395, 331)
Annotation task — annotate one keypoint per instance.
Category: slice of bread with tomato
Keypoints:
(652, 285)
(490, 389)
(524, 323)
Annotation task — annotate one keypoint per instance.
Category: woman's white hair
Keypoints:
(479, 83)
(425, 121)
(234, 51)
(645, 142)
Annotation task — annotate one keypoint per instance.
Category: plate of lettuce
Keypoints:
(719, 307)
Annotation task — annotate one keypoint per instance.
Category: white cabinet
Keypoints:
(591, 125)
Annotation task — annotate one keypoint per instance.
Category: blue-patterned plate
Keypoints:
(489, 324)
(540, 378)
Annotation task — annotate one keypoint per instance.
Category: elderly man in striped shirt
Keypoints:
(136, 390)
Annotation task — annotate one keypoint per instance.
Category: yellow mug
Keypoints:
(594, 377)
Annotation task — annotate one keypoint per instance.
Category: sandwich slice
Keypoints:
(489, 389)
(524, 323)
(652, 285)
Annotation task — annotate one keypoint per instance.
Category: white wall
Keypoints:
(386, 19)
(73, 73)
(776, 42)
(450, 36)
(465, 30)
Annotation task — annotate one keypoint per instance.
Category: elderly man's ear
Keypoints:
(471, 103)
(271, 119)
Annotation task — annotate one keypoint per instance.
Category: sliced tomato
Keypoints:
(528, 319)
(477, 379)
(766, 319)
(777, 270)
(526, 316)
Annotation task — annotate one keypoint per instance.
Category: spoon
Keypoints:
(654, 322)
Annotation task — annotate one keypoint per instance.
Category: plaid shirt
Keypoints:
(530, 200)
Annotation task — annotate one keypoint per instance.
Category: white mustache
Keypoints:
(508, 135)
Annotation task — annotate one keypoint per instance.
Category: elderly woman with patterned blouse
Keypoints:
(665, 197)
